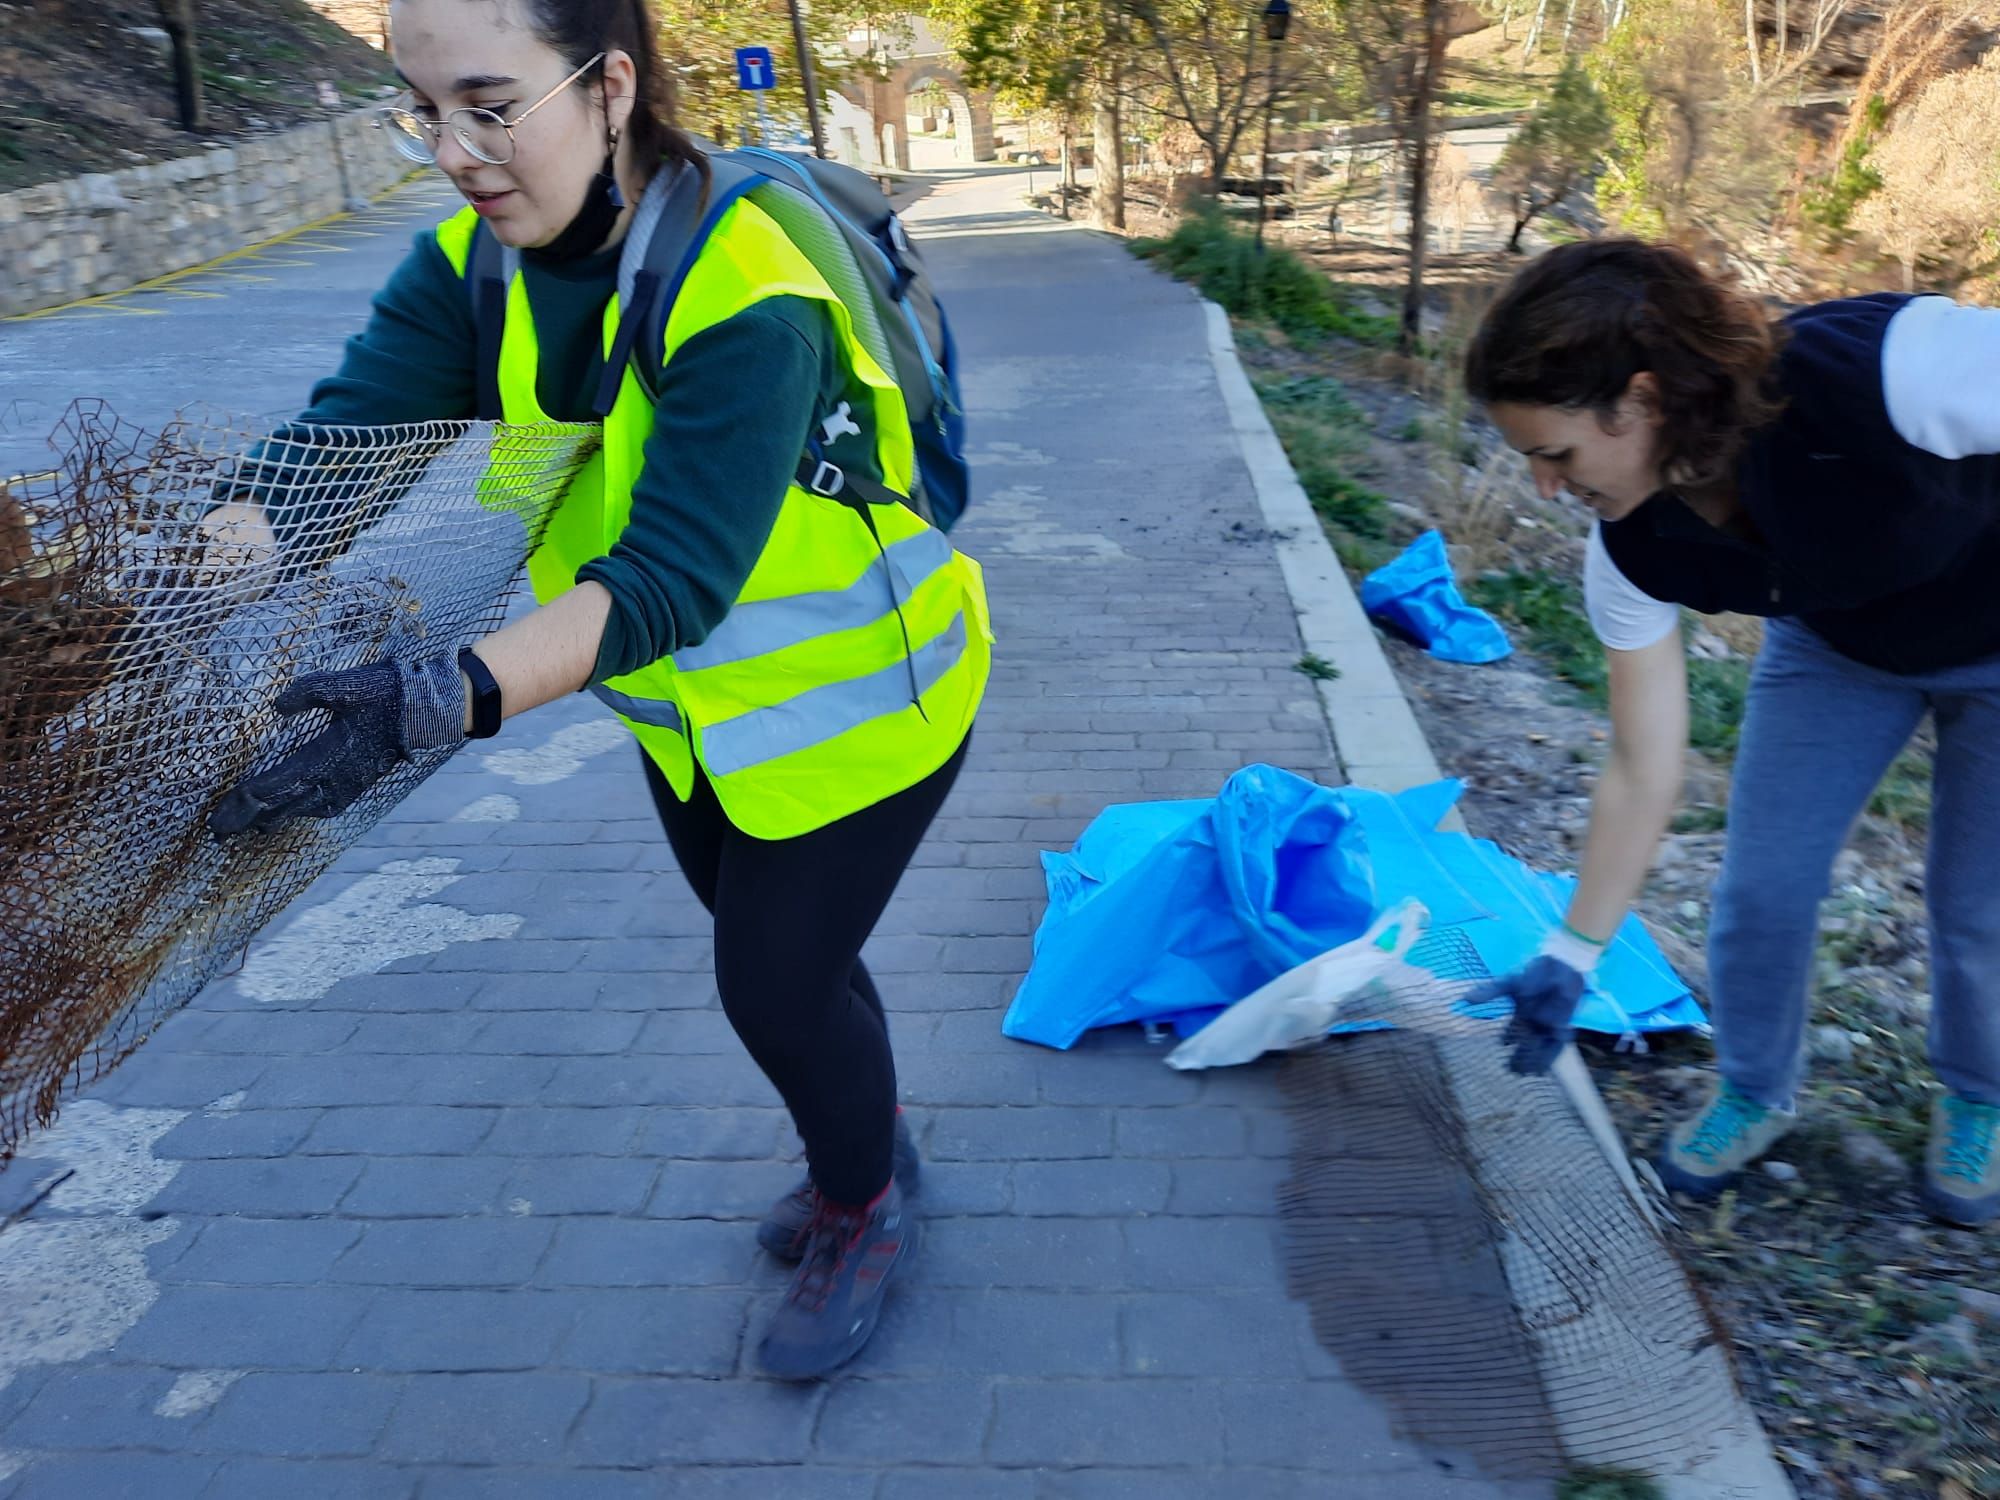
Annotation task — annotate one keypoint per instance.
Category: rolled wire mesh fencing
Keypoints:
(1469, 1255)
(142, 643)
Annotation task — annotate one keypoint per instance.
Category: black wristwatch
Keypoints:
(485, 695)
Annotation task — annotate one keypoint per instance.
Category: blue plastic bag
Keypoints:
(1504, 909)
(1417, 594)
(1170, 907)
(1172, 911)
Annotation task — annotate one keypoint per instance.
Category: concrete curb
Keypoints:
(1375, 734)
(1380, 744)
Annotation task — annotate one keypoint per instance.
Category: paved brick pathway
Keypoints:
(450, 1192)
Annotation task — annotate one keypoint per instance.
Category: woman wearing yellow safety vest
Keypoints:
(799, 730)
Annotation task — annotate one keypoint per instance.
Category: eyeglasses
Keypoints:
(481, 132)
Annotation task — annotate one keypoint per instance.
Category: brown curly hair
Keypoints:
(1575, 325)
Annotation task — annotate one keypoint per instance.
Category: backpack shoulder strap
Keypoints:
(490, 268)
(906, 323)
(674, 219)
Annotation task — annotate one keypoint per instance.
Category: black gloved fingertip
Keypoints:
(297, 697)
(236, 813)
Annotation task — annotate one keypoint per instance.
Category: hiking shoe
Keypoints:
(1962, 1167)
(783, 1232)
(835, 1299)
(1732, 1130)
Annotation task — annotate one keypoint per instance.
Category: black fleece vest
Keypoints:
(1891, 554)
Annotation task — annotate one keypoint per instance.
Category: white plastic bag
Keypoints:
(1303, 1004)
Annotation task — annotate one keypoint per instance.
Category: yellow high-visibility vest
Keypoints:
(852, 664)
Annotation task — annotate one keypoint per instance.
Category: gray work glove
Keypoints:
(1545, 994)
(383, 714)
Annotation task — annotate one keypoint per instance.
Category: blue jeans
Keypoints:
(1819, 732)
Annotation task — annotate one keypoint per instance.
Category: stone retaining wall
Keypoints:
(110, 230)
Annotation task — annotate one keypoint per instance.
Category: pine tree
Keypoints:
(1556, 151)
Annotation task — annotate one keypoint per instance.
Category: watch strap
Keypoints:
(485, 695)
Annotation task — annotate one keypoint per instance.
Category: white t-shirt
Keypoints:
(1938, 365)
(1624, 616)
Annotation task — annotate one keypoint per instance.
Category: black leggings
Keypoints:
(790, 918)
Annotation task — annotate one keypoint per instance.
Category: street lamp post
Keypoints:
(1277, 21)
(807, 79)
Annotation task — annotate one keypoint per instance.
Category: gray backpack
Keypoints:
(840, 221)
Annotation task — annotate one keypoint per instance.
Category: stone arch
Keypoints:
(971, 109)
(878, 111)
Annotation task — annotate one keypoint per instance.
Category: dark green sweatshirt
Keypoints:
(732, 419)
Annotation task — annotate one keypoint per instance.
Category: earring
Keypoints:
(611, 189)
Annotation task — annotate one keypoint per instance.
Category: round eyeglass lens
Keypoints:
(407, 135)
(483, 134)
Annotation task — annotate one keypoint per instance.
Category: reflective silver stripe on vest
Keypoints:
(820, 714)
(767, 625)
(661, 713)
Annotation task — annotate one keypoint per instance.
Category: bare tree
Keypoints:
(1067, 189)
(1401, 47)
(1179, 150)
(1940, 195)
(1535, 26)
(1199, 63)
(1918, 38)
(1108, 151)
(1696, 153)
(1455, 192)
(1786, 64)
(177, 16)
(1421, 148)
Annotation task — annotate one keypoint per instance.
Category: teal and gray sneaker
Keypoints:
(1705, 1153)
(1962, 1168)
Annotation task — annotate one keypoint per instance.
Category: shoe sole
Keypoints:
(1961, 1213)
(857, 1340)
(1704, 1188)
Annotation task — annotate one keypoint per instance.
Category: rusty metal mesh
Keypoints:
(138, 664)
(1468, 1253)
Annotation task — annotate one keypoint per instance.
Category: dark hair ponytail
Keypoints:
(578, 29)
(1575, 325)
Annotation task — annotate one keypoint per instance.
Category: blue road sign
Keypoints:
(755, 70)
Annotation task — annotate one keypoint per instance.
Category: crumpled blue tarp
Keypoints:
(1171, 911)
(1417, 594)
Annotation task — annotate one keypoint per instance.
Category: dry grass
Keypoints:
(82, 94)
